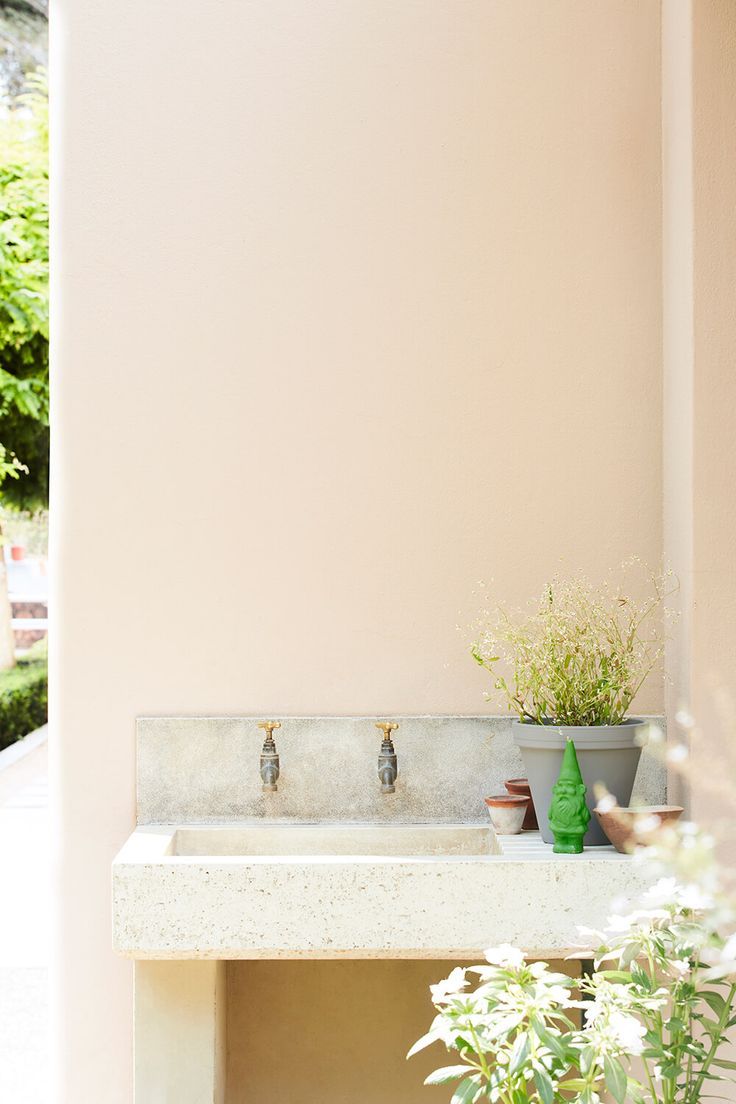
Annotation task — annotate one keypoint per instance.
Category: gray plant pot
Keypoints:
(606, 753)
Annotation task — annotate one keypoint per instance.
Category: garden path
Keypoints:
(24, 929)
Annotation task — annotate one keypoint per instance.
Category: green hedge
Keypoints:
(24, 695)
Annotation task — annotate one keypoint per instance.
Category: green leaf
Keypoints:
(670, 1071)
(715, 1001)
(574, 1084)
(615, 1077)
(519, 1053)
(587, 1055)
(635, 1090)
(545, 1088)
(425, 1041)
(641, 977)
(446, 1073)
(629, 955)
(713, 1027)
(466, 1091)
(550, 1041)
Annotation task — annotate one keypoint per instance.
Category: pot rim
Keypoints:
(628, 722)
(639, 810)
(512, 800)
(623, 737)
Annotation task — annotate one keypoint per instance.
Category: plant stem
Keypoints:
(650, 1080)
(479, 1051)
(715, 1043)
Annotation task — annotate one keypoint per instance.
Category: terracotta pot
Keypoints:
(625, 827)
(507, 812)
(521, 786)
(17, 552)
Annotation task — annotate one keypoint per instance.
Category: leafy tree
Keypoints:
(24, 309)
(24, 295)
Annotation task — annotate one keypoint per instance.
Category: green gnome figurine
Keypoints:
(568, 814)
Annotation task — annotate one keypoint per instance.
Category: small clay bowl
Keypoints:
(521, 786)
(507, 813)
(627, 826)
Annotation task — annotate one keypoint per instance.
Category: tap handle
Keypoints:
(268, 727)
(387, 727)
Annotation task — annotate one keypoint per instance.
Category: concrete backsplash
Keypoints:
(205, 769)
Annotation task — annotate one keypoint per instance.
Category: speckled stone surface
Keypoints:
(202, 878)
(205, 769)
(361, 906)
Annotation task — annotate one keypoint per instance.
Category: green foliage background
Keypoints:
(24, 695)
(24, 297)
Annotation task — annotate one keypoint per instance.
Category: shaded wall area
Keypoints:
(334, 1032)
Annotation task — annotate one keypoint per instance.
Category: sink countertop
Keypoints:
(174, 899)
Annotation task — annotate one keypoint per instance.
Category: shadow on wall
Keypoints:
(349, 1026)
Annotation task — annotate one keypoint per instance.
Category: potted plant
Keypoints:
(570, 668)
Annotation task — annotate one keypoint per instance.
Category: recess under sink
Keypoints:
(281, 840)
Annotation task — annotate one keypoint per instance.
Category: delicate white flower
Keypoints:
(663, 892)
(729, 948)
(677, 754)
(449, 987)
(505, 955)
(628, 1032)
(619, 923)
(606, 804)
(557, 994)
(637, 919)
(657, 1071)
(607, 956)
(643, 825)
(680, 965)
(592, 934)
(693, 897)
(654, 734)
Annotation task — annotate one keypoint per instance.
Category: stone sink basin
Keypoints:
(312, 840)
(265, 889)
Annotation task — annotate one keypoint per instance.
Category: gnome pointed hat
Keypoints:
(570, 769)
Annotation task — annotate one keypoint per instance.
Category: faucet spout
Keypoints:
(270, 767)
(387, 774)
(270, 772)
(388, 767)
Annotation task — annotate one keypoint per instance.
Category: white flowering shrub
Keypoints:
(649, 1025)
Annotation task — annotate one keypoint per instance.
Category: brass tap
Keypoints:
(269, 727)
(387, 762)
(269, 757)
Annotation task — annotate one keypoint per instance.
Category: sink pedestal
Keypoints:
(180, 1025)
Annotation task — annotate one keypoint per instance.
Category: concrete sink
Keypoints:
(266, 889)
(313, 840)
